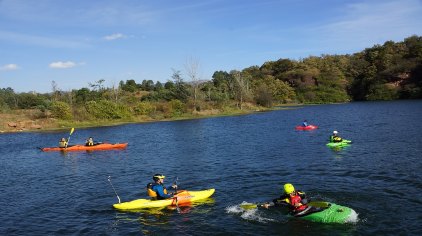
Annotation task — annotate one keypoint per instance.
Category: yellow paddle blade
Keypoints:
(71, 131)
(248, 206)
(319, 204)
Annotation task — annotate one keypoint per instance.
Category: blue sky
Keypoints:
(79, 42)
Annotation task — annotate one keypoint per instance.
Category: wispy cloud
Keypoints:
(86, 12)
(64, 64)
(36, 40)
(374, 22)
(9, 67)
(114, 36)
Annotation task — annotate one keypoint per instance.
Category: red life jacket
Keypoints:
(297, 199)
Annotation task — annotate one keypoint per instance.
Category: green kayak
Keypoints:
(321, 212)
(343, 143)
(332, 213)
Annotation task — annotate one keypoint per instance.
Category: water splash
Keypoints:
(353, 217)
(248, 214)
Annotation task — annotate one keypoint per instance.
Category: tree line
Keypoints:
(383, 72)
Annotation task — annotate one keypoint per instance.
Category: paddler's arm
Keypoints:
(275, 202)
(160, 192)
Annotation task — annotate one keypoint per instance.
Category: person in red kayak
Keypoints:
(305, 123)
(89, 142)
(295, 200)
(334, 138)
(63, 143)
(157, 190)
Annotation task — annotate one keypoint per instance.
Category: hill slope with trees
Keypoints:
(383, 72)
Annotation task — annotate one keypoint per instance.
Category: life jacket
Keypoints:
(291, 201)
(297, 199)
(335, 139)
(151, 192)
(62, 144)
(89, 143)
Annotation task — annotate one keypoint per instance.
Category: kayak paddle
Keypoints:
(71, 132)
(250, 206)
(177, 201)
(109, 180)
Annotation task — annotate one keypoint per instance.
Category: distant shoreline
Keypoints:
(20, 122)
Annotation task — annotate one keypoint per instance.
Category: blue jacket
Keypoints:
(159, 189)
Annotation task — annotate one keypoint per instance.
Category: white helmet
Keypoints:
(335, 132)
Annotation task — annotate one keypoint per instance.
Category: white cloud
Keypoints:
(62, 65)
(9, 67)
(114, 36)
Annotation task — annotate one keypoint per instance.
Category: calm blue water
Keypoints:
(246, 158)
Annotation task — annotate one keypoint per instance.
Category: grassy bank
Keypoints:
(36, 120)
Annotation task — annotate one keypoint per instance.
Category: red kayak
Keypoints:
(309, 127)
(81, 147)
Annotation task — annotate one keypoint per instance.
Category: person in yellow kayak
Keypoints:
(157, 190)
(62, 143)
(89, 142)
(335, 138)
(295, 200)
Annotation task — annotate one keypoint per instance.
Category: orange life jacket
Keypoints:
(151, 192)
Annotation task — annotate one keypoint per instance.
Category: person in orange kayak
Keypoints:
(295, 200)
(157, 190)
(335, 138)
(62, 143)
(89, 142)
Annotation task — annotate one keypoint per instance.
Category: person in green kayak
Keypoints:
(62, 143)
(335, 138)
(295, 200)
(89, 142)
(157, 190)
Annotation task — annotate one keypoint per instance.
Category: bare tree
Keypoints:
(115, 91)
(241, 87)
(192, 71)
(56, 91)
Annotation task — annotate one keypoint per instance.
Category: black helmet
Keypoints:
(158, 176)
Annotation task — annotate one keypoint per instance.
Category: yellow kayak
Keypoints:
(183, 197)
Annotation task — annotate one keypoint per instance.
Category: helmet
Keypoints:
(288, 188)
(335, 132)
(158, 176)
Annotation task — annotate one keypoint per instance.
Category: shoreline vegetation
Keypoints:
(383, 72)
(24, 121)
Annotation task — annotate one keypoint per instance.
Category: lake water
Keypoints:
(245, 158)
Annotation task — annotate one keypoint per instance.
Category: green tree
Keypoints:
(61, 110)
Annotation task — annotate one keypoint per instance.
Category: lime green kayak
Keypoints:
(321, 212)
(332, 213)
(183, 197)
(343, 143)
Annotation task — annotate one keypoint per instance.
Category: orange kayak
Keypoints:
(81, 147)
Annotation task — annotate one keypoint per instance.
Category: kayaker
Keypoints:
(89, 142)
(62, 143)
(294, 199)
(157, 190)
(305, 123)
(335, 138)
